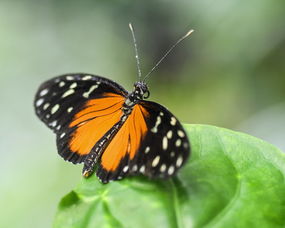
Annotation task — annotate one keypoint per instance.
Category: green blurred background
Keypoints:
(229, 73)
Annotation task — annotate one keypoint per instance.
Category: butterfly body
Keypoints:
(140, 90)
(100, 124)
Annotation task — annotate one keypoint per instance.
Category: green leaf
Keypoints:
(231, 180)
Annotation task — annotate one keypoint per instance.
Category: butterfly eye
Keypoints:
(147, 93)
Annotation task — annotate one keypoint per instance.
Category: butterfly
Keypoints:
(113, 132)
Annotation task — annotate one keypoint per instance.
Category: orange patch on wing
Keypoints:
(92, 122)
(127, 140)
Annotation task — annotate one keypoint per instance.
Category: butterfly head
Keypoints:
(141, 90)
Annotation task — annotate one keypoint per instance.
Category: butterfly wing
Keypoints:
(79, 108)
(115, 160)
(151, 141)
(165, 148)
(82, 108)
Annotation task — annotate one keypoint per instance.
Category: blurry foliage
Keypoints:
(232, 180)
(230, 69)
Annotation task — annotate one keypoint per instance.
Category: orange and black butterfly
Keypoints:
(112, 131)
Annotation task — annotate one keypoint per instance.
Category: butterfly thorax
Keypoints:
(140, 92)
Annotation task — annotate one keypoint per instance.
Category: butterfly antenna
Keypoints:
(169, 50)
(136, 51)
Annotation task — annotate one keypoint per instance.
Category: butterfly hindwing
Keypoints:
(72, 102)
(151, 142)
(165, 147)
(115, 161)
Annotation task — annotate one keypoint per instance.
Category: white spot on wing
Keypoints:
(73, 85)
(180, 133)
(69, 109)
(164, 143)
(92, 88)
(142, 169)
(162, 168)
(39, 102)
(69, 78)
(172, 154)
(172, 121)
(61, 84)
(53, 124)
(46, 105)
(125, 169)
(67, 93)
(87, 77)
(155, 161)
(169, 134)
(147, 149)
(178, 142)
(179, 161)
(158, 121)
(135, 168)
(170, 170)
(43, 92)
(62, 135)
(54, 109)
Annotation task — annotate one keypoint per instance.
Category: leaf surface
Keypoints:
(231, 180)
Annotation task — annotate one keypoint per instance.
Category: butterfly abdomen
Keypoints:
(100, 146)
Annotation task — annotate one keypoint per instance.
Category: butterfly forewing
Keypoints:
(69, 105)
